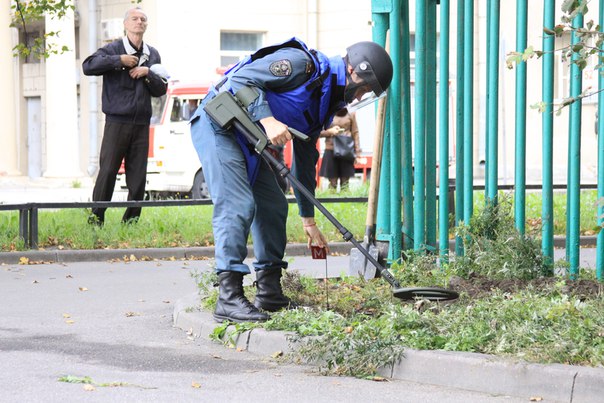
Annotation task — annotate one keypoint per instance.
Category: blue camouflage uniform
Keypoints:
(302, 88)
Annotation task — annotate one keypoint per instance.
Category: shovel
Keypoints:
(359, 265)
(227, 110)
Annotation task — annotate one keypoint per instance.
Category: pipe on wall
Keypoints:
(93, 158)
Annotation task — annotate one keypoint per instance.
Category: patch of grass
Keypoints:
(545, 325)
(187, 226)
(207, 283)
(494, 248)
(351, 326)
(222, 334)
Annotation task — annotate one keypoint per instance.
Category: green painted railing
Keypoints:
(410, 172)
(547, 80)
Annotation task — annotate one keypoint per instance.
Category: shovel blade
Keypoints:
(360, 265)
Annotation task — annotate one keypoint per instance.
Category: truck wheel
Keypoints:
(200, 187)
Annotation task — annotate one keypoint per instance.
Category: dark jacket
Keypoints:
(125, 99)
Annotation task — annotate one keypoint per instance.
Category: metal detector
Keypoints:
(228, 110)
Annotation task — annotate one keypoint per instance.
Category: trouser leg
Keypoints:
(113, 150)
(344, 183)
(270, 239)
(226, 175)
(136, 169)
(270, 218)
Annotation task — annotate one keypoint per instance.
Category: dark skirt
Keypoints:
(332, 167)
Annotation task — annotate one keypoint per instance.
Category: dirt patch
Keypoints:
(477, 286)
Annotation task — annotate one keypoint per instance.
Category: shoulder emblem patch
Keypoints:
(281, 68)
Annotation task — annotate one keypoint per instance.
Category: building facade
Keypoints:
(51, 112)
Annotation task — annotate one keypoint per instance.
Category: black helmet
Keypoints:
(372, 63)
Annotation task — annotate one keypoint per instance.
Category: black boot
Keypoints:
(269, 294)
(232, 304)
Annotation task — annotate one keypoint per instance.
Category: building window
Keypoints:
(35, 44)
(236, 45)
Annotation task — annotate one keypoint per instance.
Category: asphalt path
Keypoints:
(111, 322)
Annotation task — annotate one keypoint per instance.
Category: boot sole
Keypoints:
(222, 319)
(276, 308)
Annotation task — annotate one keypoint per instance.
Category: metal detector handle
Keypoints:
(298, 134)
(225, 110)
(246, 95)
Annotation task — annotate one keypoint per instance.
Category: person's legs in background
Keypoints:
(136, 169)
(328, 169)
(113, 150)
(344, 183)
(345, 172)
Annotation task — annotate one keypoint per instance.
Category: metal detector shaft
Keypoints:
(284, 171)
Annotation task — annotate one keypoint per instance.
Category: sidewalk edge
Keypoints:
(472, 371)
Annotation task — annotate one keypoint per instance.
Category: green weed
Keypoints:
(86, 380)
(353, 326)
(494, 248)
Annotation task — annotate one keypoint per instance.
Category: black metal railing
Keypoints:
(28, 212)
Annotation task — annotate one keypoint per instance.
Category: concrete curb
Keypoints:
(471, 371)
(99, 255)
(197, 323)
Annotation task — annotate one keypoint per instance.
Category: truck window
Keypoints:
(189, 108)
(157, 107)
(183, 108)
(176, 114)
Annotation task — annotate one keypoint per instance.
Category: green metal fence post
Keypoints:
(468, 119)
(382, 10)
(407, 163)
(419, 162)
(492, 100)
(443, 119)
(459, 104)
(431, 125)
(520, 165)
(600, 220)
(574, 154)
(547, 79)
(394, 102)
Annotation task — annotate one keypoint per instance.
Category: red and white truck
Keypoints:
(173, 167)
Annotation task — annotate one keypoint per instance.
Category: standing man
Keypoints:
(299, 88)
(128, 85)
